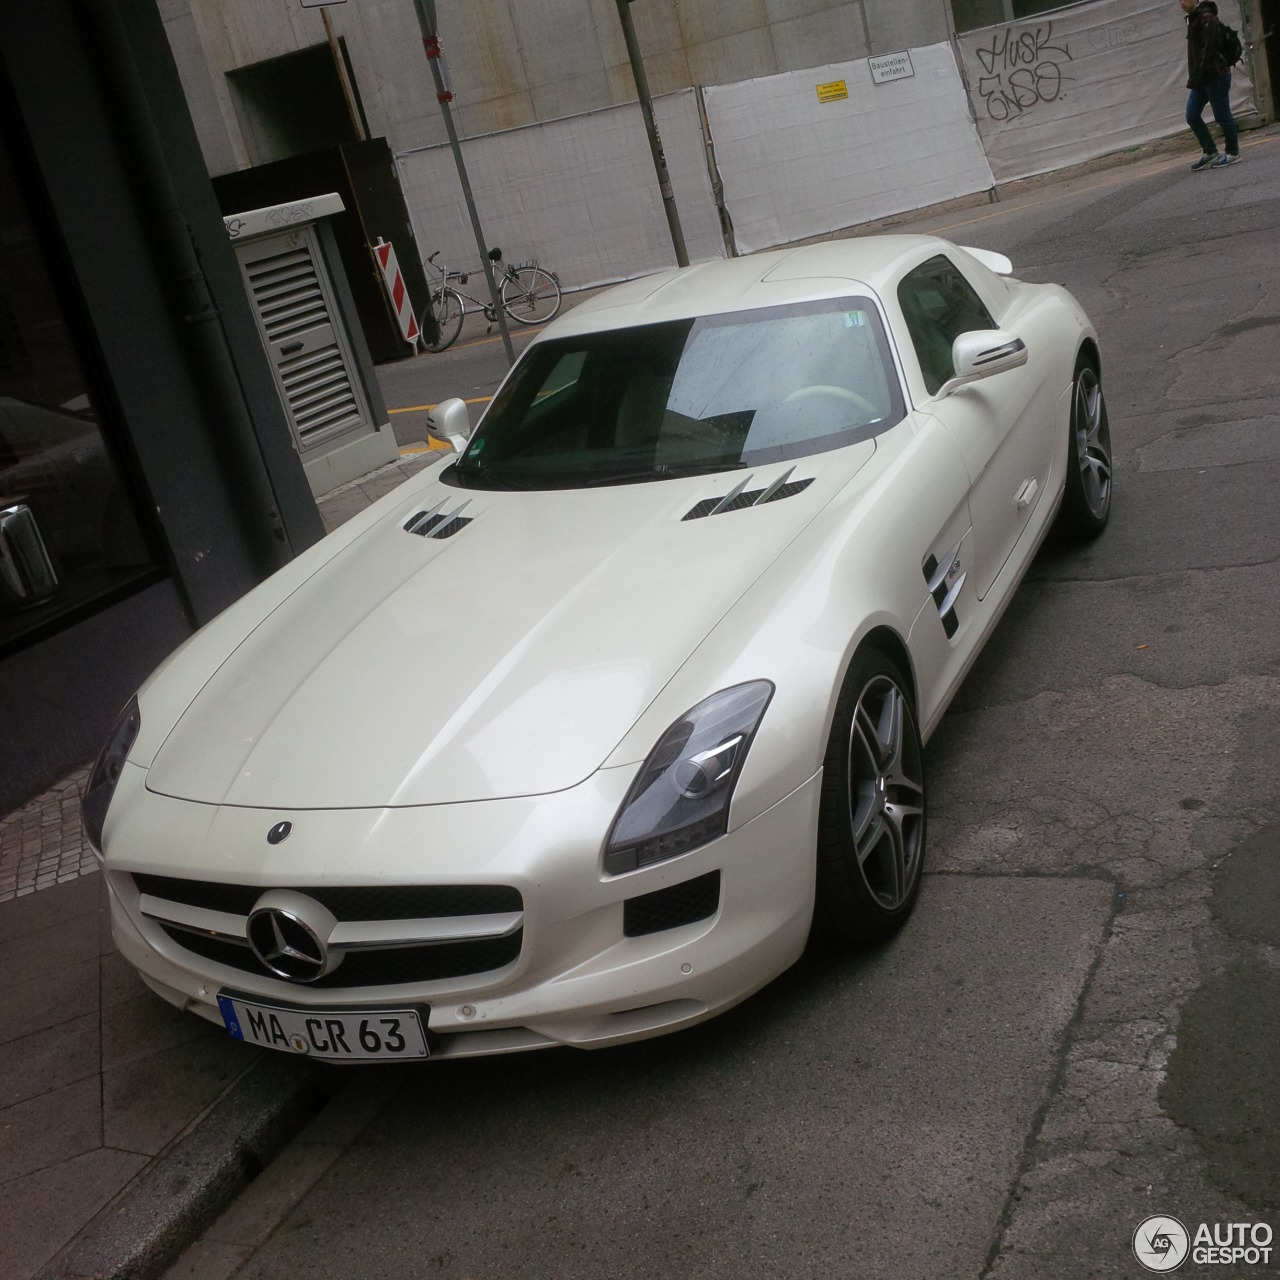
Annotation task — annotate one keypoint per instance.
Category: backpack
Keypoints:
(1231, 48)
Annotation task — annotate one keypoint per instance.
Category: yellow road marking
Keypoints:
(426, 408)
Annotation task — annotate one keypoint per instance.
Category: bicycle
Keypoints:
(530, 295)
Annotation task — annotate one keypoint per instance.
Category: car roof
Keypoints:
(776, 278)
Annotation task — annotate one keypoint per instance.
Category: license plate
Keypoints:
(342, 1035)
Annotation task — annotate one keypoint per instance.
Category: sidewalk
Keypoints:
(125, 1125)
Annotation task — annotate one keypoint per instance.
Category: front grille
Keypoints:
(373, 968)
(663, 909)
(370, 959)
(360, 902)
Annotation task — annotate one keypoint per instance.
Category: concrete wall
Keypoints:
(518, 62)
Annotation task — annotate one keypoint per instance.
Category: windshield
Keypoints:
(689, 396)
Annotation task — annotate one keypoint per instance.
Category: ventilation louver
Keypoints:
(437, 523)
(299, 331)
(740, 496)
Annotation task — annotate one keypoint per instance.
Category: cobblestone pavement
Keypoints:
(42, 843)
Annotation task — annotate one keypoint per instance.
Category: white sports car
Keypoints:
(707, 574)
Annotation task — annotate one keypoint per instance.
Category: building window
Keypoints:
(68, 532)
(970, 14)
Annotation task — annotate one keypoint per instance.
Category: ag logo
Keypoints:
(1161, 1243)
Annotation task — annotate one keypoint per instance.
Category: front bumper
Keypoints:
(577, 980)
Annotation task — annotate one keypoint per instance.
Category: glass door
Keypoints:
(69, 535)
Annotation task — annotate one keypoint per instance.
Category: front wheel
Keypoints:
(871, 825)
(1086, 501)
(530, 295)
(445, 319)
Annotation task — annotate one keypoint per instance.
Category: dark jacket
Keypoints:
(1205, 59)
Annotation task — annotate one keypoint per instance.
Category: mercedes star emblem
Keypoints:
(289, 933)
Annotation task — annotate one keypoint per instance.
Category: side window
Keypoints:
(554, 404)
(939, 304)
(567, 371)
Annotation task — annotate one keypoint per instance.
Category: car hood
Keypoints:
(507, 659)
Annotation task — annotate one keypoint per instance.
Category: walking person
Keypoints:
(1209, 79)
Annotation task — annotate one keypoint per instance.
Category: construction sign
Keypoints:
(396, 291)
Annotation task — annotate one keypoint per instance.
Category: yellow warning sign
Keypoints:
(833, 91)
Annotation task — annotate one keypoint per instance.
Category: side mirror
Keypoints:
(449, 421)
(981, 353)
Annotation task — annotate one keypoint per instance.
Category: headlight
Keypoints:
(680, 799)
(106, 773)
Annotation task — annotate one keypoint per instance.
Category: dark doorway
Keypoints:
(364, 175)
(294, 104)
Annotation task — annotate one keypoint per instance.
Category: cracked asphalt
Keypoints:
(1080, 1027)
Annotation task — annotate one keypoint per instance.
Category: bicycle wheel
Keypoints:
(530, 295)
(443, 317)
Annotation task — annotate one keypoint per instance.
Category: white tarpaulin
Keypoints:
(579, 194)
(809, 152)
(1081, 82)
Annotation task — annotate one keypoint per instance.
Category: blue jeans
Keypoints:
(1217, 93)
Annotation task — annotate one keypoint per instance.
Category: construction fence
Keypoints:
(773, 160)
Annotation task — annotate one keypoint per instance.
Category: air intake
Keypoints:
(670, 908)
(740, 496)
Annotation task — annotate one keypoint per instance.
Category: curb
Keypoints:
(184, 1189)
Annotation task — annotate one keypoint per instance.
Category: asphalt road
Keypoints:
(1079, 1027)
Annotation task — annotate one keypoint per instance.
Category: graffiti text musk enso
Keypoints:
(1021, 69)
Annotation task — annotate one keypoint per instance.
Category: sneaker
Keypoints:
(1228, 157)
(1209, 157)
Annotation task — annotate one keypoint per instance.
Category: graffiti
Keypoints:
(287, 215)
(1022, 69)
(1112, 37)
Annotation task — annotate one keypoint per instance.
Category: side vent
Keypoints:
(740, 496)
(944, 596)
(438, 523)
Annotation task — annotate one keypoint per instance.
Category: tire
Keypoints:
(1086, 500)
(446, 313)
(530, 295)
(872, 816)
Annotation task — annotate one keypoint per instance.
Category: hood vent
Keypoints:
(740, 496)
(437, 523)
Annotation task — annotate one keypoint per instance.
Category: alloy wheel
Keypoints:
(886, 792)
(1093, 443)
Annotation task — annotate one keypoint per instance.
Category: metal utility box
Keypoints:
(304, 312)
